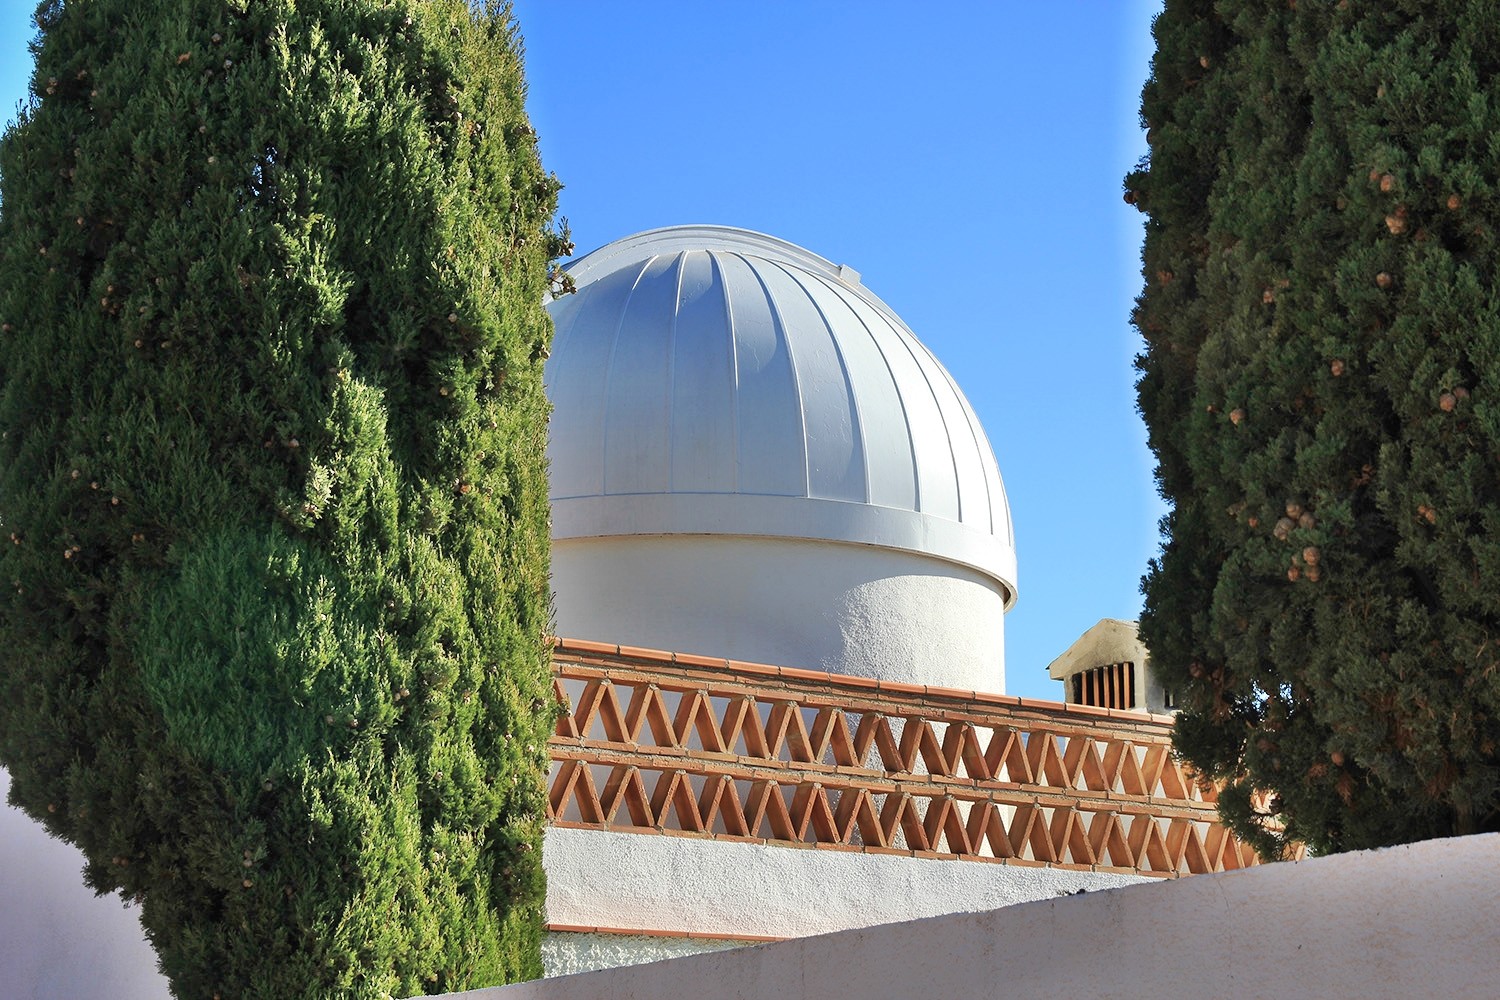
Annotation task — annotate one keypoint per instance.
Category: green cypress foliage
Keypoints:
(272, 487)
(1321, 383)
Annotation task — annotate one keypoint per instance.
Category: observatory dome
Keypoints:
(746, 440)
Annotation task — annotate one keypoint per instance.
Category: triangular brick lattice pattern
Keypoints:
(673, 745)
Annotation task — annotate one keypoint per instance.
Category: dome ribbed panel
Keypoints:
(965, 464)
(937, 483)
(705, 449)
(772, 456)
(980, 482)
(575, 382)
(637, 411)
(835, 455)
(890, 464)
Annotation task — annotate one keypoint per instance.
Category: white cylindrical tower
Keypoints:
(753, 457)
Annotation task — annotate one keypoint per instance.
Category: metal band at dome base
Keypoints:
(786, 517)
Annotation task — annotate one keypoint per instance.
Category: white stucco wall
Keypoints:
(849, 609)
(631, 881)
(568, 953)
(1415, 921)
(58, 941)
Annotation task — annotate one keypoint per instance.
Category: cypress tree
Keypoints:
(272, 486)
(1321, 384)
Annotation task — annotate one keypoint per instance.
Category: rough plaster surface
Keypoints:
(632, 881)
(1109, 641)
(567, 953)
(1415, 921)
(849, 609)
(58, 941)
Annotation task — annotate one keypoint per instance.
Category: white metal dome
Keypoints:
(714, 381)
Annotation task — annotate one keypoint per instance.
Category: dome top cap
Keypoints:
(680, 239)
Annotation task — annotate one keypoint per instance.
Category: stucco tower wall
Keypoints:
(849, 609)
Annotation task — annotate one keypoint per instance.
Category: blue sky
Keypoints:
(965, 158)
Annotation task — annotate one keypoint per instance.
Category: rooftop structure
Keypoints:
(757, 466)
(1108, 667)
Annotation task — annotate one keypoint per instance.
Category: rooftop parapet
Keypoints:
(684, 746)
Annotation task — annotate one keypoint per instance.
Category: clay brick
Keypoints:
(1038, 703)
(799, 674)
(984, 698)
(872, 849)
(897, 687)
(643, 653)
(846, 848)
(934, 691)
(690, 660)
(759, 669)
(588, 646)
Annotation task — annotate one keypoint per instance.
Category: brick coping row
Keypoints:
(582, 647)
(641, 932)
